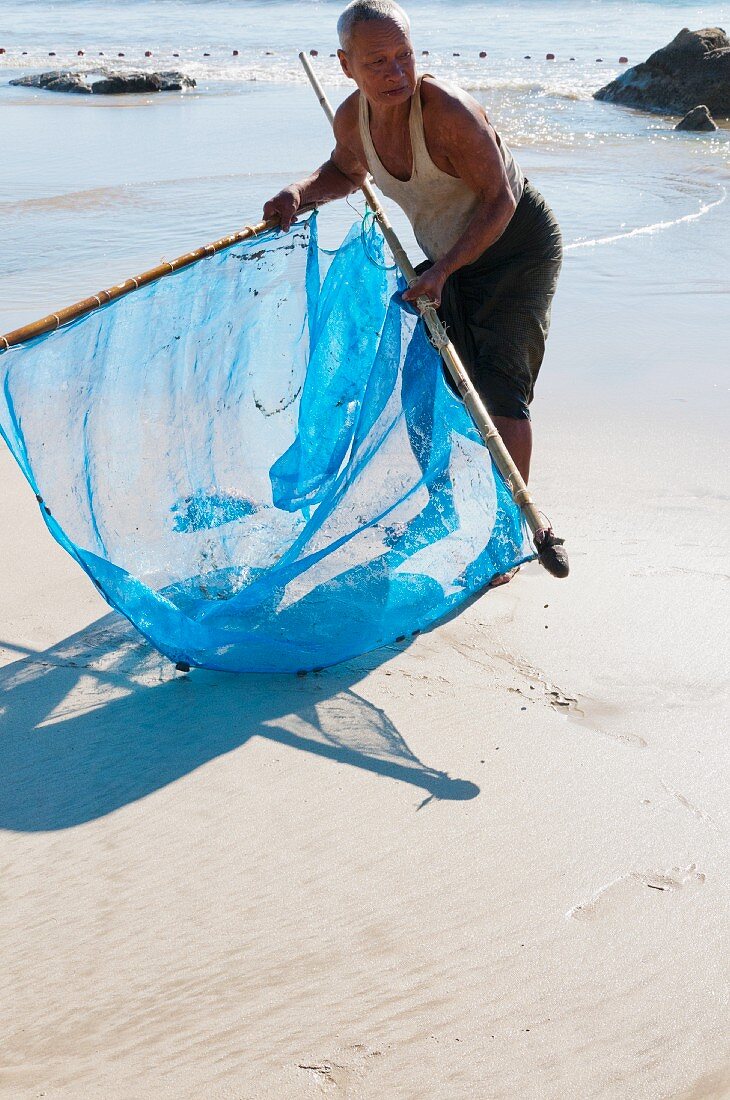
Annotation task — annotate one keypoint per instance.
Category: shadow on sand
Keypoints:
(101, 720)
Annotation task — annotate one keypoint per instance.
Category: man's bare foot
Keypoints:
(503, 578)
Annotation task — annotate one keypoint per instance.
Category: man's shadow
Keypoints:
(101, 720)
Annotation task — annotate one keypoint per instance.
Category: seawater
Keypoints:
(94, 189)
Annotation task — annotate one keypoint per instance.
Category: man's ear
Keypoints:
(344, 64)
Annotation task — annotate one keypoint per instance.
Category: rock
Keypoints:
(107, 82)
(56, 81)
(693, 68)
(115, 83)
(172, 81)
(699, 118)
(123, 83)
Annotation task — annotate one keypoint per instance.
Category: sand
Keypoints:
(491, 864)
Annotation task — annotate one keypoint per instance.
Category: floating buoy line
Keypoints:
(482, 54)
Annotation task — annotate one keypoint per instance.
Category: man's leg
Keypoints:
(517, 436)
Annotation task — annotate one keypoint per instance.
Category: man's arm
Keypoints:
(459, 133)
(338, 177)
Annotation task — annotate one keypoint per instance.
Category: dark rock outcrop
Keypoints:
(699, 118)
(56, 81)
(107, 82)
(693, 68)
(171, 81)
(121, 83)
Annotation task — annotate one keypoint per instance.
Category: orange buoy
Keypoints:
(623, 60)
(549, 56)
(482, 53)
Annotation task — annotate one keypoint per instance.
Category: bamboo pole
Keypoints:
(549, 548)
(167, 267)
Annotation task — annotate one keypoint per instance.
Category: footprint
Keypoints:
(664, 881)
(558, 700)
(342, 1077)
(583, 714)
(329, 1073)
(694, 810)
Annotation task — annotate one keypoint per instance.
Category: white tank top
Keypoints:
(438, 206)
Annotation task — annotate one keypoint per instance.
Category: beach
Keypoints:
(490, 863)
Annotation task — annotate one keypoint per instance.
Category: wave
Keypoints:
(283, 67)
(650, 230)
(99, 199)
(95, 198)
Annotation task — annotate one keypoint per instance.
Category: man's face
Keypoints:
(380, 60)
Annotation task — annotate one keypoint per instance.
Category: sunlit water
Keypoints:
(95, 189)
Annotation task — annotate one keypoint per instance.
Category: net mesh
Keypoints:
(257, 459)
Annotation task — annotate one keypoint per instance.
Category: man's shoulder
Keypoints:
(441, 98)
(346, 115)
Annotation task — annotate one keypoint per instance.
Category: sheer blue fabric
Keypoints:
(257, 459)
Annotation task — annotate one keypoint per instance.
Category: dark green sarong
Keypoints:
(497, 309)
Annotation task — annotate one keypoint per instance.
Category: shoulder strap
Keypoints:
(421, 160)
(371, 155)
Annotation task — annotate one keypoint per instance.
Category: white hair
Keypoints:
(369, 11)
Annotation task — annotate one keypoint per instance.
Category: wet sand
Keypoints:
(491, 864)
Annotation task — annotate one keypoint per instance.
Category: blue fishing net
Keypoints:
(257, 459)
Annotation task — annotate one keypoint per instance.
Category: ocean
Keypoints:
(95, 189)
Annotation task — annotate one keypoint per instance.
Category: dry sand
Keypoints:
(490, 865)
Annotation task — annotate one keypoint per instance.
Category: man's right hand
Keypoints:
(285, 204)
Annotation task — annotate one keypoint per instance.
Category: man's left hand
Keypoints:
(428, 285)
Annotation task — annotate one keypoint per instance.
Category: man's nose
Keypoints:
(395, 71)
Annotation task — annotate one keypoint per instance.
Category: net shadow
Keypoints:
(101, 720)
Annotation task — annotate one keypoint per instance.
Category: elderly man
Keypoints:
(493, 245)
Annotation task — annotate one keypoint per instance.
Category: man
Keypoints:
(493, 245)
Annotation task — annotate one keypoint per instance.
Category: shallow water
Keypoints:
(99, 188)
(268, 36)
